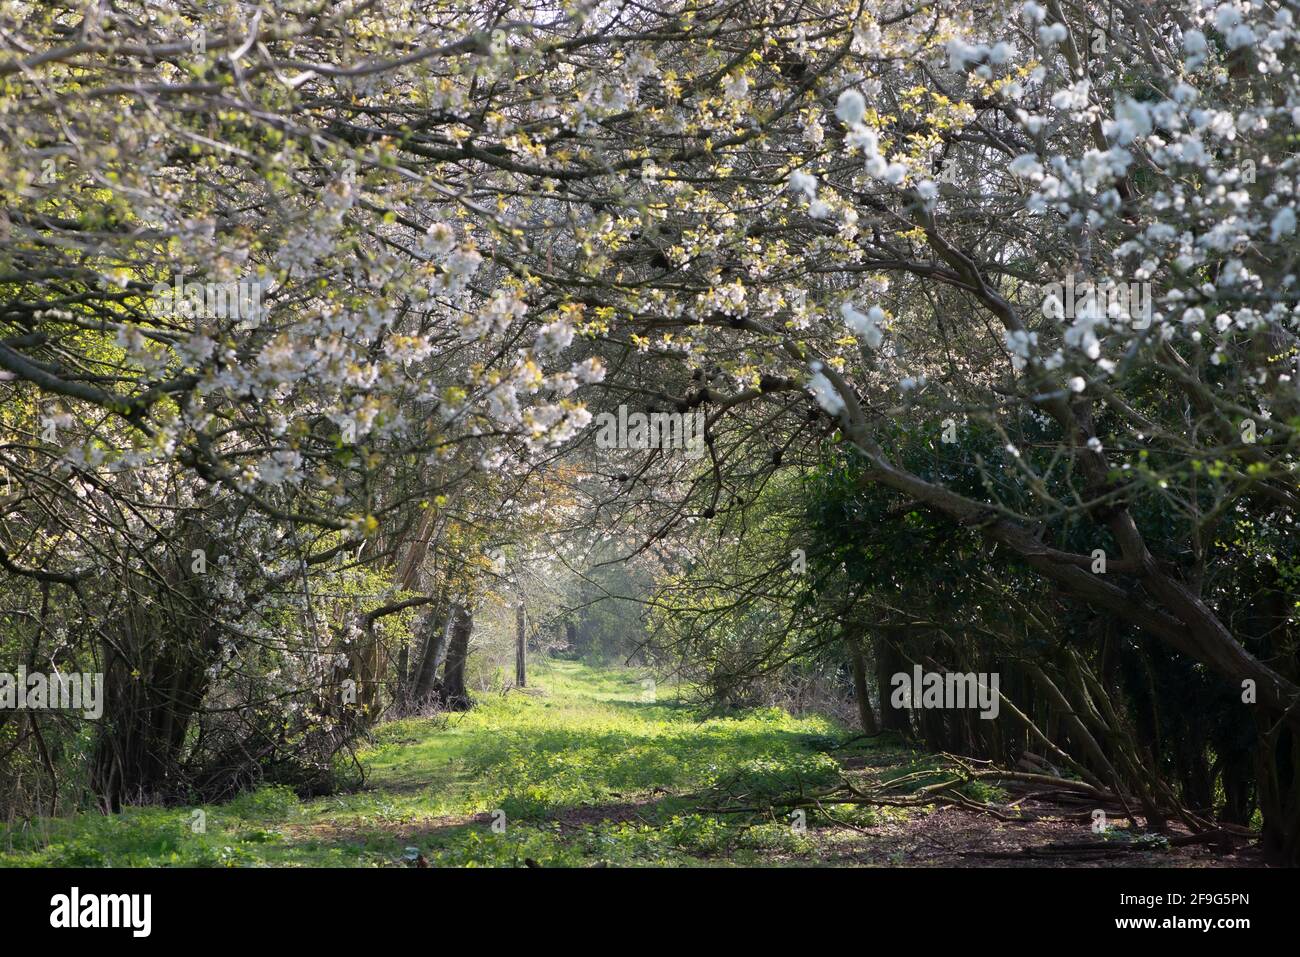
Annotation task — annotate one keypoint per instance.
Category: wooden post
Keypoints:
(521, 649)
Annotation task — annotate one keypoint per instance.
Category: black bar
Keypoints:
(371, 907)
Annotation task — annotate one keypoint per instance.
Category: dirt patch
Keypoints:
(623, 813)
(335, 832)
(956, 837)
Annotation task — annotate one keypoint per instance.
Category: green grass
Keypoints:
(580, 769)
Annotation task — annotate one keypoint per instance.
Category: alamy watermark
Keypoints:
(651, 430)
(35, 691)
(240, 299)
(950, 689)
(1097, 300)
(75, 909)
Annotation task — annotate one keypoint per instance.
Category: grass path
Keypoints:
(579, 770)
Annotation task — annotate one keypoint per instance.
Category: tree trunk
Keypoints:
(1278, 776)
(865, 714)
(147, 711)
(889, 662)
(455, 696)
(433, 631)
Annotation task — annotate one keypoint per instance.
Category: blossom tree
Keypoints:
(460, 229)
